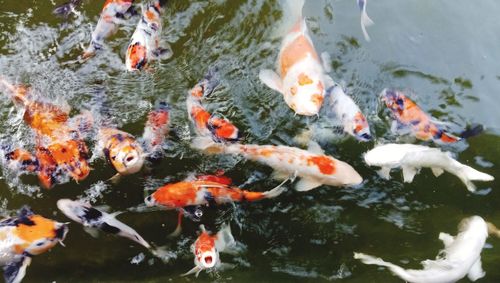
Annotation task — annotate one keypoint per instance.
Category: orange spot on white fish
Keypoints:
(304, 79)
(325, 165)
(297, 50)
(317, 99)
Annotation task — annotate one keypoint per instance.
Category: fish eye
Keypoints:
(39, 244)
(130, 158)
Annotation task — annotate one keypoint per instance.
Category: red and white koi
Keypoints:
(349, 114)
(113, 13)
(301, 74)
(23, 237)
(207, 247)
(312, 165)
(206, 124)
(156, 129)
(408, 114)
(145, 43)
(200, 192)
(365, 20)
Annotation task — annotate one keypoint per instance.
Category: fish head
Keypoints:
(39, 234)
(473, 223)
(206, 254)
(305, 92)
(347, 174)
(72, 155)
(394, 100)
(126, 155)
(222, 129)
(136, 56)
(360, 128)
(74, 210)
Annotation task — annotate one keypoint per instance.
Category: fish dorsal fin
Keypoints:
(446, 238)
(476, 271)
(14, 271)
(437, 171)
(307, 184)
(25, 211)
(315, 148)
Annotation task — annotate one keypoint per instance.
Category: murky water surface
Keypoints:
(444, 52)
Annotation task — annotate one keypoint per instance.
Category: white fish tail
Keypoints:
(398, 270)
(292, 13)
(207, 145)
(365, 22)
(278, 190)
(468, 174)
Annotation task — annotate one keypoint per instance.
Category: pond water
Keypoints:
(445, 53)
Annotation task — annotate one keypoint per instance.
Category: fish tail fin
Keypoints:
(278, 190)
(493, 230)
(371, 260)
(468, 174)
(473, 131)
(365, 22)
(207, 145)
(292, 9)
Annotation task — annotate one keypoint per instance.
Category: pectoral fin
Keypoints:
(476, 271)
(91, 231)
(280, 175)
(326, 61)
(385, 172)
(306, 184)
(164, 52)
(437, 171)
(195, 270)
(315, 148)
(446, 238)
(271, 79)
(14, 272)
(409, 173)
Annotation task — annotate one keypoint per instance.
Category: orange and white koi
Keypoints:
(207, 247)
(200, 192)
(23, 237)
(409, 115)
(206, 124)
(349, 114)
(365, 20)
(113, 13)
(156, 129)
(58, 145)
(145, 43)
(122, 150)
(312, 165)
(301, 74)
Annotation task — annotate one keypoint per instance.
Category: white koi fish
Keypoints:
(93, 218)
(365, 20)
(460, 257)
(349, 114)
(313, 166)
(412, 157)
(301, 74)
(145, 43)
(207, 247)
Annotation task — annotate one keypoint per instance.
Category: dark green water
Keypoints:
(444, 52)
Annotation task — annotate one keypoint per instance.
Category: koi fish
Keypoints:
(301, 74)
(58, 145)
(207, 247)
(21, 159)
(67, 8)
(93, 218)
(113, 13)
(121, 150)
(156, 128)
(145, 43)
(460, 257)
(412, 157)
(199, 192)
(408, 114)
(206, 124)
(346, 110)
(23, 237)
(312, 165)
(365, 20)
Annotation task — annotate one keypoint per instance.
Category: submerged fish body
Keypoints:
(122, 150)
(408, 114)
(91, 217)
(112, 14)
(201, 192)
(313, 166)
(301, 74)
(206, 124)
(412, 157)
(207, 247)
(349, 114)
(156, 128)
(460, 257)
(58, 144)
(145, 43)
(24, 236)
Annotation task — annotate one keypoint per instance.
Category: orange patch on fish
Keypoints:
(200, 116)
(297, 50)
(317, 99)
(176, 195)
(150, 15)
(137, 55)
(304, 79)
(325, 165)
(43, 228)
